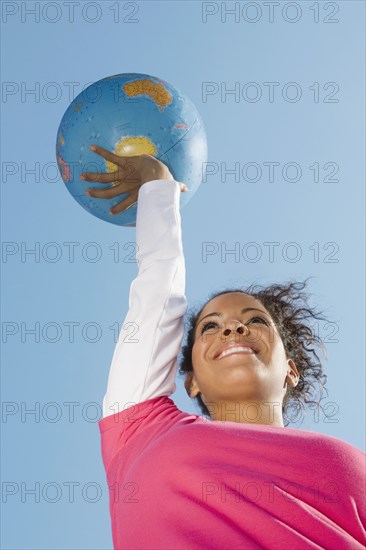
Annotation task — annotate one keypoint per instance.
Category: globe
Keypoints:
(129, 114)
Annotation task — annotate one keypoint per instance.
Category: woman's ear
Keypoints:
(293, 375)
(190, 385)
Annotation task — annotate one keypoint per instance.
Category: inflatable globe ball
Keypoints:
(129, 114)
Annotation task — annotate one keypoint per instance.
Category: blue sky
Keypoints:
(299, 82)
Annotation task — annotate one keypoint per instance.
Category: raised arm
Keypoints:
(146, 366)
(145, 357)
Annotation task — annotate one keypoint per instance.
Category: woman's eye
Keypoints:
(206, 325)
(258, 320)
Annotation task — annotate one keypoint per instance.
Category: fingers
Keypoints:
(107, 155)
(106, 177)
(106, 193)
(124, 205)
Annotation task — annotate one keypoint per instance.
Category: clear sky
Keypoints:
(297, 70)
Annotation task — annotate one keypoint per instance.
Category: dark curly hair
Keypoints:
(289, 308)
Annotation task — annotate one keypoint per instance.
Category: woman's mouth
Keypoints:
(235, 349)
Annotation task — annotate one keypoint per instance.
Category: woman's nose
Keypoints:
(235, 325)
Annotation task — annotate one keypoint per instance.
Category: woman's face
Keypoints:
(256, 373)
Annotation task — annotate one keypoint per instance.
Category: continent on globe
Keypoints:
(131, 146)
(157, 92)
(64, 167)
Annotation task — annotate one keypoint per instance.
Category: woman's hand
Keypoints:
(131, 174)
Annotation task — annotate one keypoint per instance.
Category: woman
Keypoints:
(236, 477)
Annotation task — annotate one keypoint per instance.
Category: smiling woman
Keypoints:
(282, 375)
(233, 480)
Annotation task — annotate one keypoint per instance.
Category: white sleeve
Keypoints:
(144, 362)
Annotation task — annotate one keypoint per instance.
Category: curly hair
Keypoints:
(289, 308)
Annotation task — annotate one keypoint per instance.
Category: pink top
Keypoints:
(178, 481)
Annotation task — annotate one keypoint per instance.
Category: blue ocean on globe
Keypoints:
(129, 114)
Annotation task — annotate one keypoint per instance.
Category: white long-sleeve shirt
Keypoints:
(144, 362)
